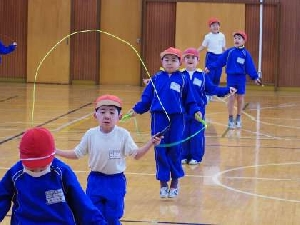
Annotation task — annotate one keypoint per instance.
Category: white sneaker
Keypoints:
(231, 124)
(184, 161)
(173, 192)
(238, 124)
(193, 162)
(164, 192)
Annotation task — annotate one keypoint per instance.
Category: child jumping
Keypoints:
(194, 148)
(239, 63)
(168, 96)
(107, 146)
(215, 44)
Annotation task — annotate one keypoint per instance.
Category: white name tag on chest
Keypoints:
(174, 86)
(114, 154)
(197, 82)
(240, 60)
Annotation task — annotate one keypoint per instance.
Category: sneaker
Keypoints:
(193, 162)
(238, 123)
(164, 192)
(173, 192)
(231, 124)
(184, 161)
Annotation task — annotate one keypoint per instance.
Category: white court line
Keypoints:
(267, 136)
(72, 122)
(262, 122)
(216, 180)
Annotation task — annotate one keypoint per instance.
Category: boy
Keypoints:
(168, 96)
(7, 49)
(107, 146)
(215, 43)
(238, 62)
(43, 189)
(194, 149)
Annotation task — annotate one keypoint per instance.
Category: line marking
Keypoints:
(216, 180)
(9, 98)
(49, 121)
(246, 105)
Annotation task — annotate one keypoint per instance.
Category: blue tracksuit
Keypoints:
(238, 62)
(194, 148)
(5, 50)
(55, 198)
(175, 93)
(214, 74)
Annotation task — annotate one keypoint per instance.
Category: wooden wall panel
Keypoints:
(13, 27)
(48, 22)
(158, 32)
(119, 64)
(85, 47)
(289, 44)
(269, 49)
(191, 24)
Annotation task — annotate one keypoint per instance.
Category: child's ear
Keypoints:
(95, 115)
(120, 116)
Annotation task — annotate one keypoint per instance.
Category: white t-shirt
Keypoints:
(214, 42)
(107, 151)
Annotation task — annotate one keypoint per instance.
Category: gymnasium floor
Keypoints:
(248, 176)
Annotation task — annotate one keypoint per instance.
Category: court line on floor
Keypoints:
(49, 121)
(262, 122)
(216, 180)
(9, 98)
(271, 137)
(163, 222)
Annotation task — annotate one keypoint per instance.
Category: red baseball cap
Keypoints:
(213, 20)
(108, 100)
(171, 51)
(190, 51)
(241, 33)
(37, 148)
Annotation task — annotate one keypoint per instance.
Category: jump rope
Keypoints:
(128, 115)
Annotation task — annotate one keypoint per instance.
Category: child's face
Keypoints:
(170, 63)
(107, 117)
(215, 28)
(238, 41)
(191, 62)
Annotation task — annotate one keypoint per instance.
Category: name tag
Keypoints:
(55, 196)
(114, 154)
(174, 86)
(240, 60)
(197, 82)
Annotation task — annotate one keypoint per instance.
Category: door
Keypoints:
(48, 23)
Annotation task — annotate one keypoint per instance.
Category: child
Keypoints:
(107, 146)
(43, 189)
(168, 96)
(194, 148)
(7, 49)
(238, 62)
(215, 44)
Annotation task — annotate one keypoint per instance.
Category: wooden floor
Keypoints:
(248, 176)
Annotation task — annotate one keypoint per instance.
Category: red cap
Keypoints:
(190, 51)
(108, 100)
(171, 51)
(37, 148)
(241, 33)
(213, 20)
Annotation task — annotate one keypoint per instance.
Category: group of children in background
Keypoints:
(173, 96)
(176, 100)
